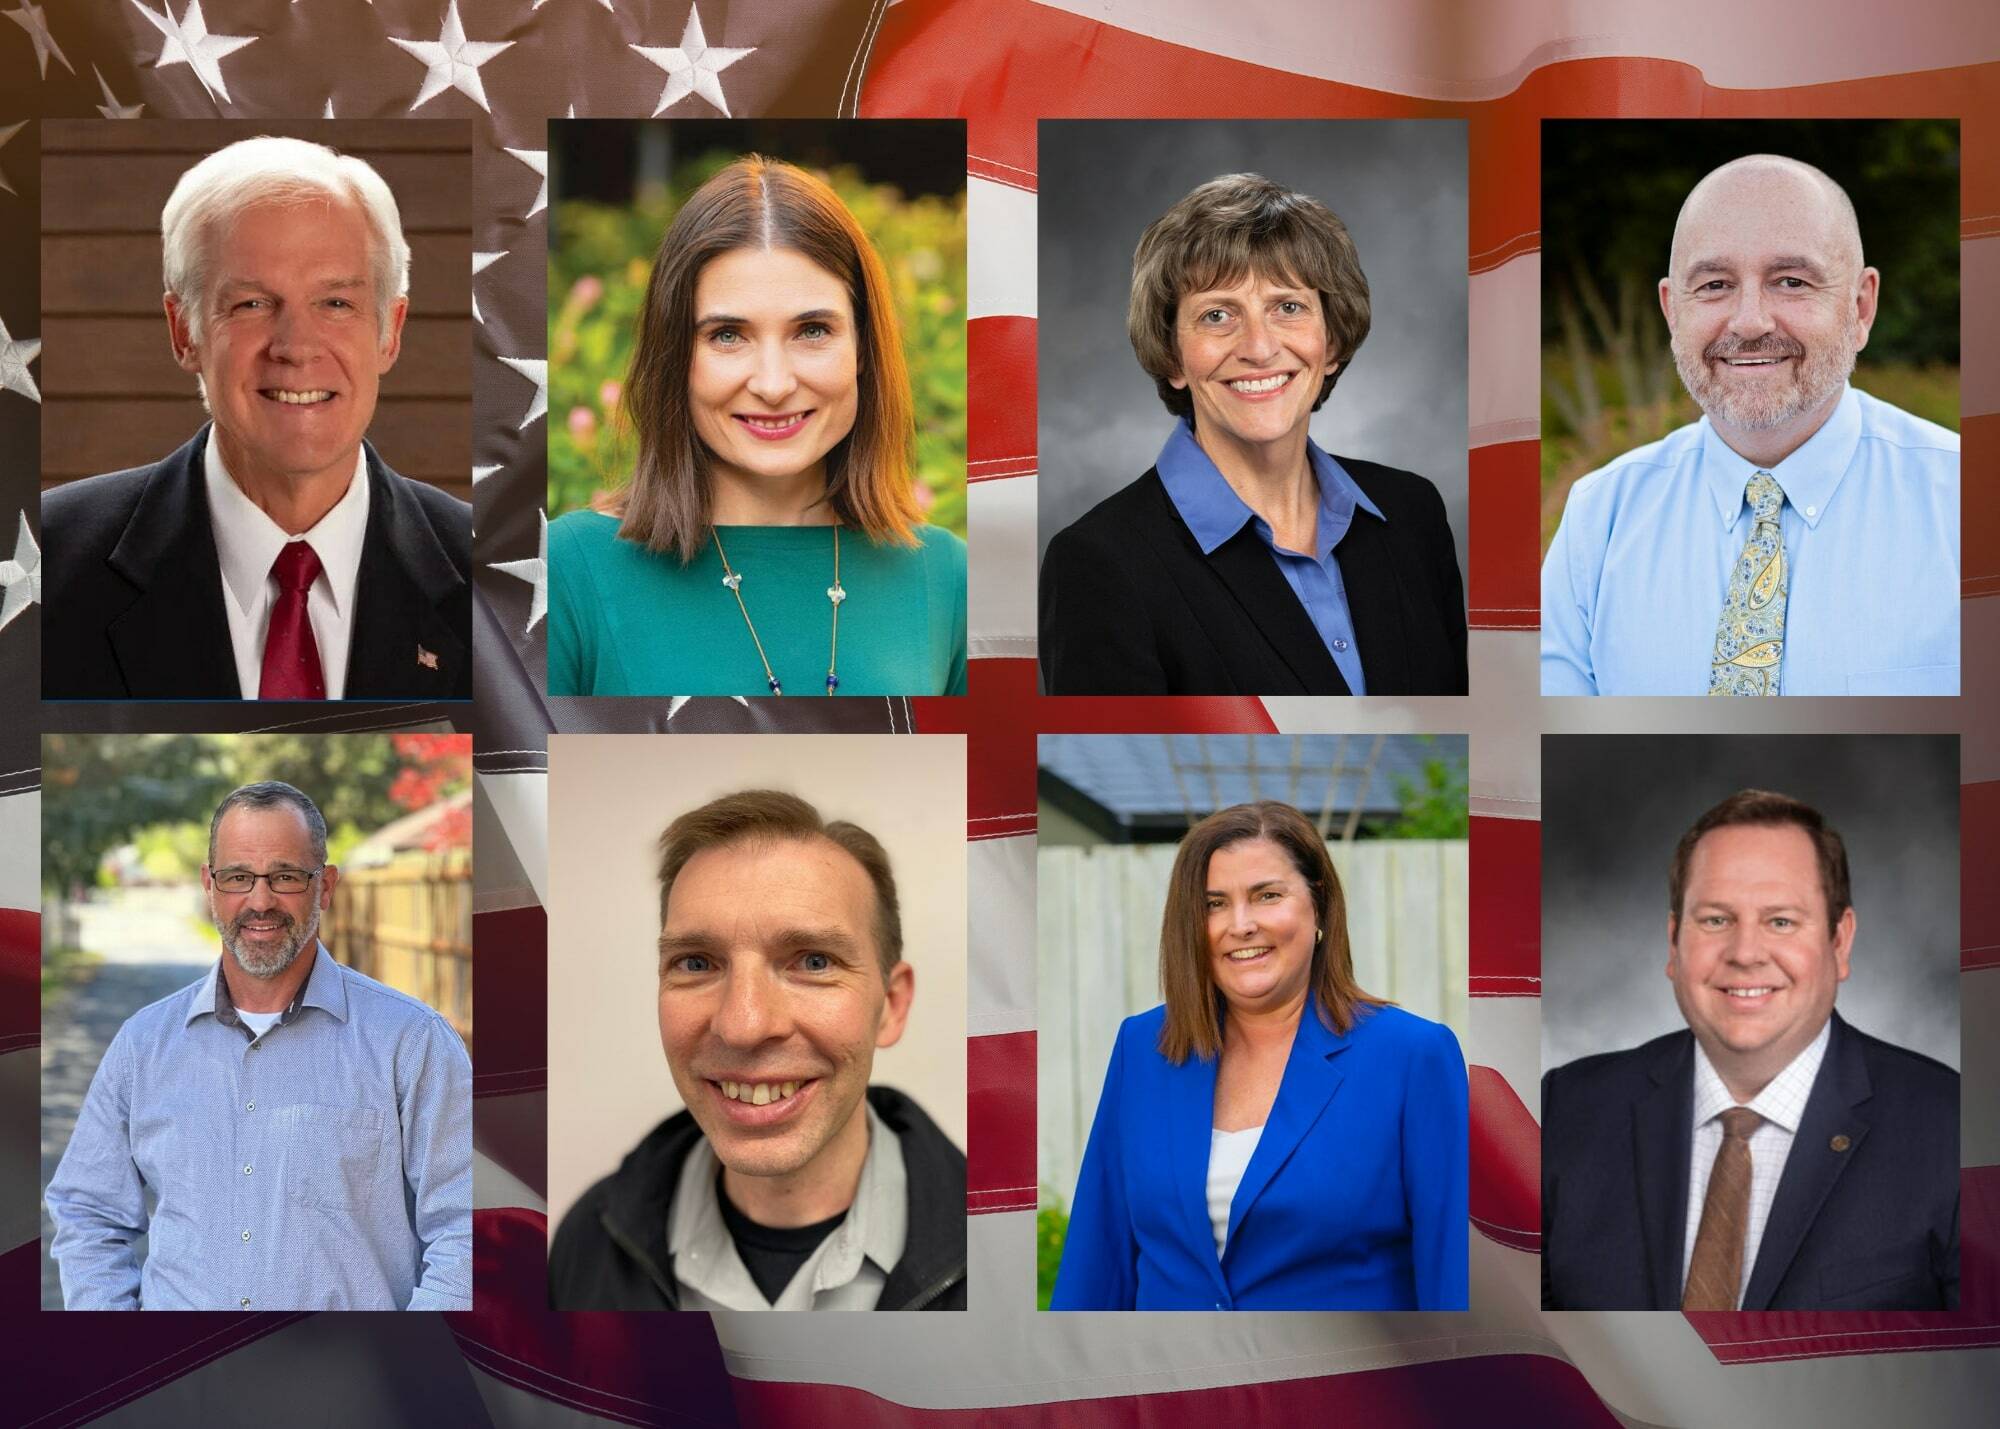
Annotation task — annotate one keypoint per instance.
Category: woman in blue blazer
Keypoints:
(1273, 1138)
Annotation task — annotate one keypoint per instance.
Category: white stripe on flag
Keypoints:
(1000, 517)
(1505, 1033)
(21, 839)
(510, 841)
(1503, 403)
(1001, 992)
(1000, 249)
(20, 1127)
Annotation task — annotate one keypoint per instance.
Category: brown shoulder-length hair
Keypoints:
(762, 203)
(1194, 1006)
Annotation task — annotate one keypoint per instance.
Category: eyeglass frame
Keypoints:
(215, 878)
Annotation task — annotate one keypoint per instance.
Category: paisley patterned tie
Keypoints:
(1750, 637)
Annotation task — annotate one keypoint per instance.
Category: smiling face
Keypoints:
(1768, 301)
(772, 381)
(773, 1001)
(293, 347)
(1253, 357)
(1754, 960)
(1261, 926)
(262, 930)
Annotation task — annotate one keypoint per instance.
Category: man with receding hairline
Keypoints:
(1802, 537)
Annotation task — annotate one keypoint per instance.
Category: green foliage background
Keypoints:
(601, 256)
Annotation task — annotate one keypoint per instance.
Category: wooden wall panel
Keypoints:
(120, 273)
(128, 357)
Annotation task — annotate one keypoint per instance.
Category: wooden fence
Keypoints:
(409, 924)
(1097, 960)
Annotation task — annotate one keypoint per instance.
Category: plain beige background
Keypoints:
(610, 797)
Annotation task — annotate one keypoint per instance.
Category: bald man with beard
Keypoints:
(1802, 537)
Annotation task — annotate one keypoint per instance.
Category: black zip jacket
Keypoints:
(611, 1251)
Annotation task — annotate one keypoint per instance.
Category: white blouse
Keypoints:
(1229, 1154)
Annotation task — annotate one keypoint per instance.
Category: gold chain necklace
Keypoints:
(733, 579)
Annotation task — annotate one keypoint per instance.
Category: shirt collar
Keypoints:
(1712, 1098)
(1213, 511)
(247, 541)
(876, 1228)
(1809, 476)
(323, 988)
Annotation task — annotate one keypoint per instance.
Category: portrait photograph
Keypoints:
(1774, 1123)
(1750, 407)
(756, 438)
(757, 1022)
(1236, 495)
(1252, 965)
(256, 442)
(256, 1022)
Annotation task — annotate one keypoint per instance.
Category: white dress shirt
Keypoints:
(1229, 1154)
(247, 542)
(1782, 1103)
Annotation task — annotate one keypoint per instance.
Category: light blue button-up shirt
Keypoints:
(1214, 513)
(326, 1165)
(1635, 580)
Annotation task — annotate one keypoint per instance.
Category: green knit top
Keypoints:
(627, 621)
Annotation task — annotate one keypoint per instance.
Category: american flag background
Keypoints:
(510, 65)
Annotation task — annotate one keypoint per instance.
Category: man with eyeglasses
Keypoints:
(303, 1132)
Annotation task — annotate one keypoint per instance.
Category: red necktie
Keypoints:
(291, 659)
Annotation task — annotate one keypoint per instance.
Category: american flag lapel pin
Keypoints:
(427, 658)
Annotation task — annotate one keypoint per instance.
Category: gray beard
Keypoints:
(297, 937)
(1822, 372)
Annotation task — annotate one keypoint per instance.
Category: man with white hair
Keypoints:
(275, 555)
(1802, 537)
(285, 1134)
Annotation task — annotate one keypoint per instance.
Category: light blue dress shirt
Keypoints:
(1214, 513)
(326, 1165)
(1636, 578)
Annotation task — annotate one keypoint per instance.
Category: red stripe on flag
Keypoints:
(1505, 559)
(509, 987)
(1800, 1334)
(20, 978)
(1490, 1389)
(634, 1368)
(1979, 486)
(1505, 905)
(1506, 1161)
(1978, 891)
(1000, 1111)
(1000, 388)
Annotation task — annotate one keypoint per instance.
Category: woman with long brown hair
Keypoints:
(772, 412)
(1273, 1138)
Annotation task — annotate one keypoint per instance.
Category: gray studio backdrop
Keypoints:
(1398, 184)
(1613, 806)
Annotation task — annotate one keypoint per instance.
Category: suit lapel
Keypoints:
(1662, 1143)
(1312, 1076)
(402, 647)
(1249, 575)
(172, 642)
(1813, 1166)
(1375, 603)
(1190, 1118)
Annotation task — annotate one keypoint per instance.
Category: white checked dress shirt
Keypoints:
(1782, 1103)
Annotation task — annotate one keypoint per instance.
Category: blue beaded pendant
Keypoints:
(772, 681)
(832, 683)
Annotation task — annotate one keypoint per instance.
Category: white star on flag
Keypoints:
(536, 370)
(535, 571)
(7, 132)
(480, 263)
(188, 42)
(692, 67)
(21, 577)
(111, 108)
(14, 359)
(29, 17)
(539, 3)
(454, 61)
(674, 704)
(538, 160)
(480, 473)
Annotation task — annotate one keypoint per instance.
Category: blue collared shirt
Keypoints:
(326, 1165)
(1636, 578)
(1214, 513)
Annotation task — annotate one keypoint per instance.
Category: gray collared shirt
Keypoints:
(326, 1165)
(846, 1272)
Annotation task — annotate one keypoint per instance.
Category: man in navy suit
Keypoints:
(274, 555)
(1771, 1157)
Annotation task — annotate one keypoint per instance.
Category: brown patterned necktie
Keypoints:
(1715, 1274)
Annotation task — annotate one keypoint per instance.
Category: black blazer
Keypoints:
(1866, 1216)
(1131, 606)
(132, 599)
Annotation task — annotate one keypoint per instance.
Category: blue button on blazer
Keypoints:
(1354, 1200)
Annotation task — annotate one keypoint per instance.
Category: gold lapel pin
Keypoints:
(1840, 1143)
(428, 659)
